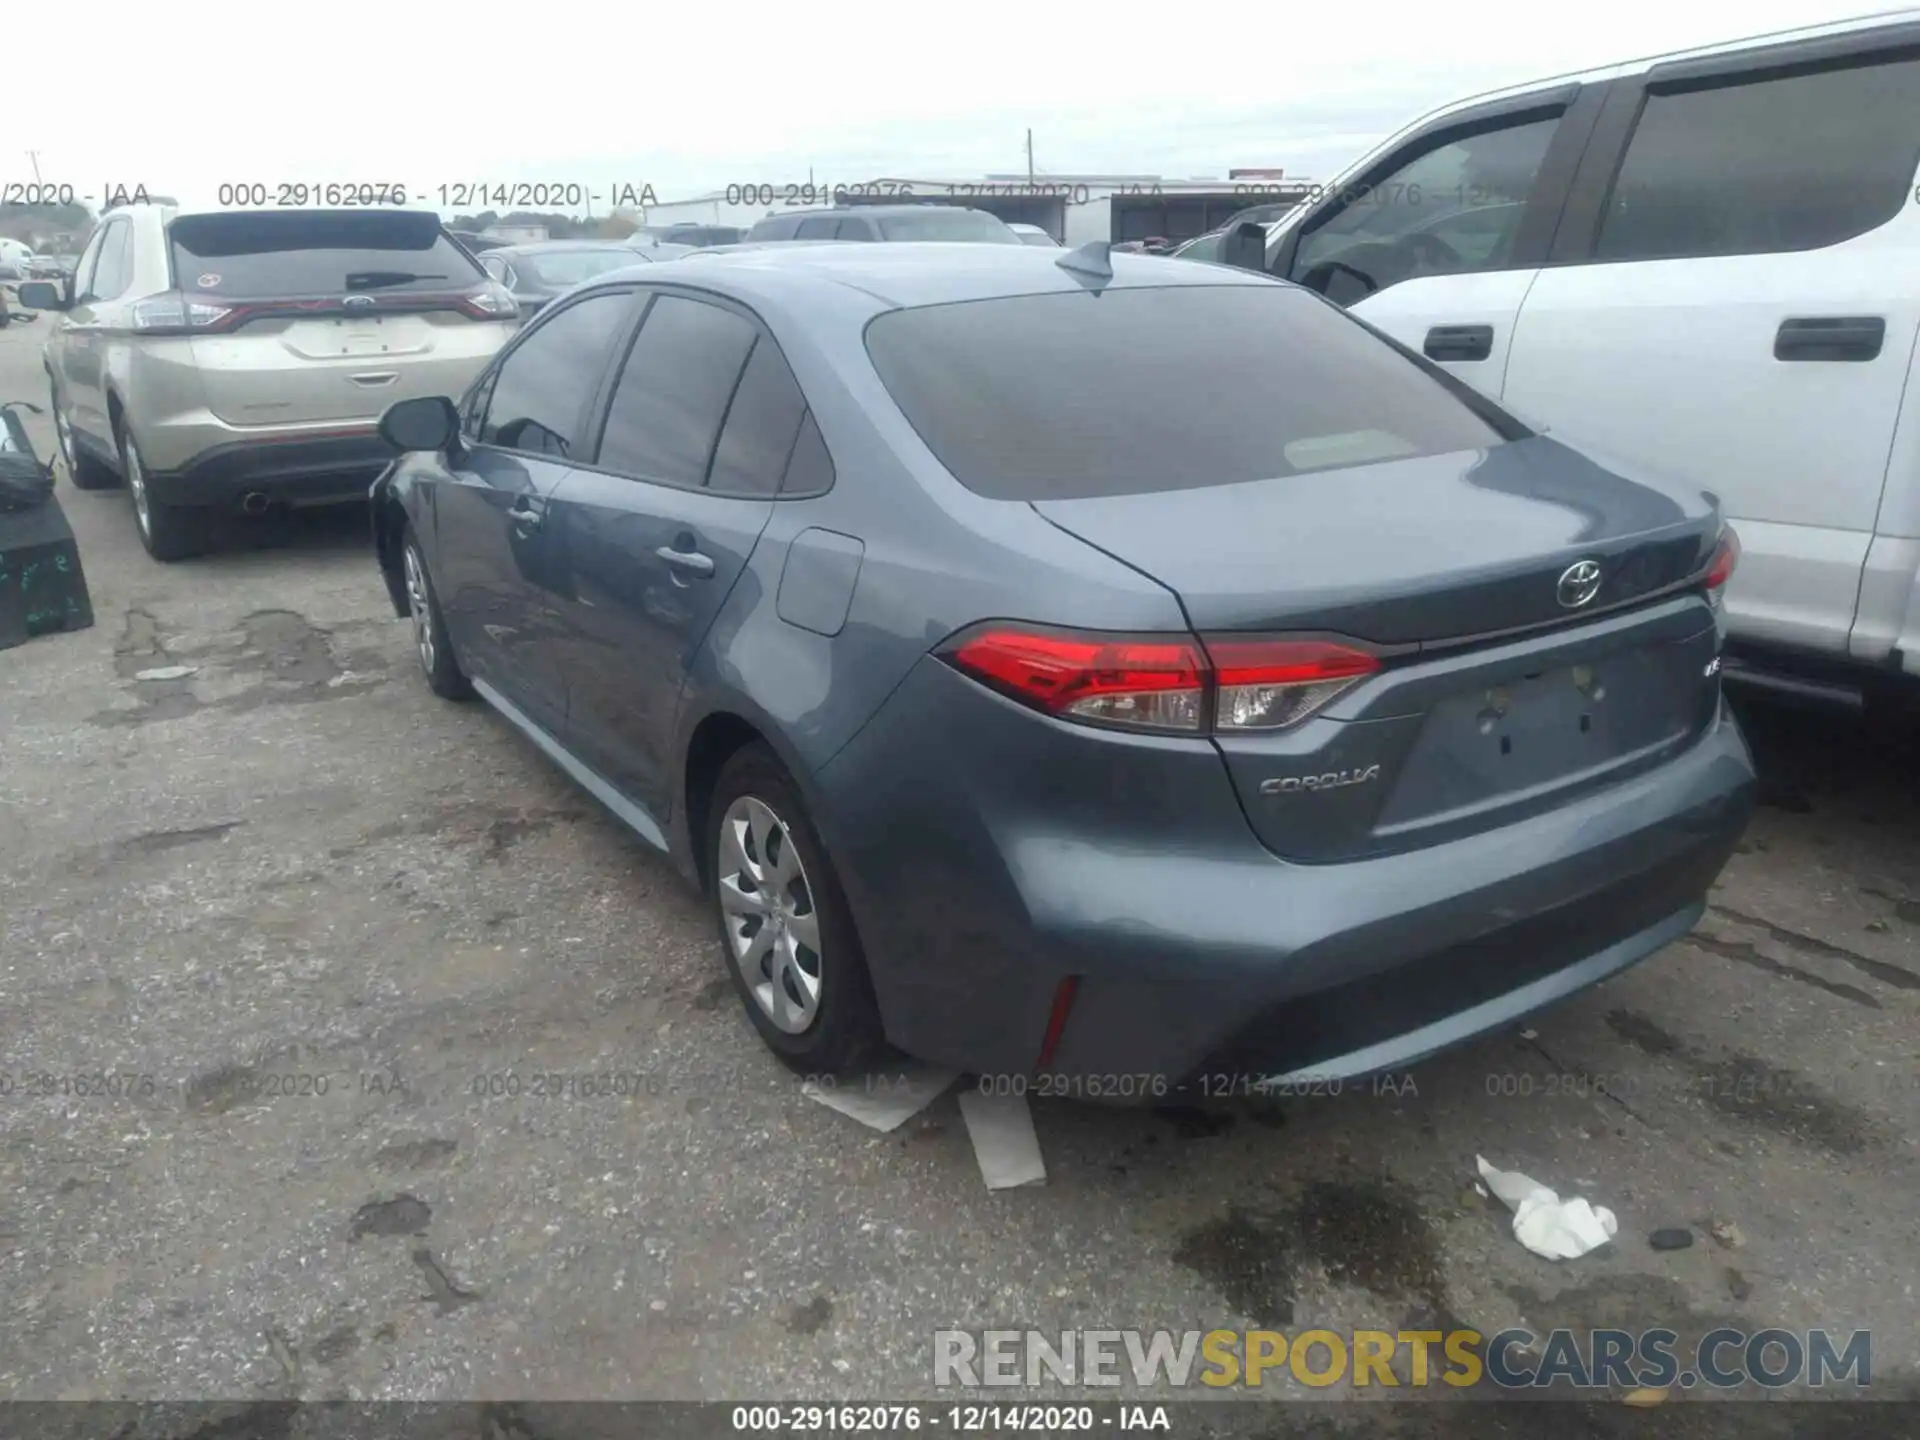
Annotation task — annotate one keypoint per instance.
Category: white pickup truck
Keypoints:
(1706, 263)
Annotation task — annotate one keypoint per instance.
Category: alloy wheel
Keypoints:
(420, 608)
(767, 905)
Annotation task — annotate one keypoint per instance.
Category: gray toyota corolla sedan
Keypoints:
(1135, 674)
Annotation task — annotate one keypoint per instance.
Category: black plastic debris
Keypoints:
(42, 587)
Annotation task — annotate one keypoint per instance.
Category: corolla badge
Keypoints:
(1332, 780)
(357, 302)
(1579, 583)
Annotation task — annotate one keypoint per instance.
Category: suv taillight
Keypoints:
(172, 313)
(1726, 557)
(1176, 683)
(491, 301)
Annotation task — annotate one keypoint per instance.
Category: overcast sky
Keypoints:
(691, 97)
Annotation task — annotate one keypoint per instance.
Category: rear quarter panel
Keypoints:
(934, 558)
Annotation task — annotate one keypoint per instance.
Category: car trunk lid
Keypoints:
(1538, 621)
(1403, 552)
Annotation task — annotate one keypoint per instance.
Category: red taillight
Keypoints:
(1726, 556)
(1268, 684)
(1162, 682)
(172, 313)
(1143, 682)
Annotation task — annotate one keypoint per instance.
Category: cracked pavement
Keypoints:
(316, 924)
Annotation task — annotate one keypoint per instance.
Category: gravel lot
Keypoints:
(295, 862)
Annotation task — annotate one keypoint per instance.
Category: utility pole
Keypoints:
(33, 156)
(1029, 156)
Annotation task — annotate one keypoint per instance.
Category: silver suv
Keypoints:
(243, 358)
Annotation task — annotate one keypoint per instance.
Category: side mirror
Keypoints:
(429, 422)
(43, 295)
(1246, 247)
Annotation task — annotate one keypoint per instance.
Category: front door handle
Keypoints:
(1459, 342)
(527, 514)
(687, 562)
(1830, 337)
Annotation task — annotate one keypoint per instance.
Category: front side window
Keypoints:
(674, 390)
(1068, 395)
(1449, 210)
(541, 387)
(1764, 165)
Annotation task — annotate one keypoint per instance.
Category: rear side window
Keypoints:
(263, 255)
(1069, 395)
(115, 271)
(541, 387)
(674, 390)
(778, 227)
(942, 222)
(1787, 162)
(761, 425)
(818, 227)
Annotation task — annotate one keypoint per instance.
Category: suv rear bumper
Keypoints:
(298, 470)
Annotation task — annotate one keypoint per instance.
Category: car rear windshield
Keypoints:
(570, 267)
(939, 222)
(256, 255)
(1127, 391)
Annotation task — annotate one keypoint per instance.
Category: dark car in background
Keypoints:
(535, 273)
(887, 223)
(1081, 668)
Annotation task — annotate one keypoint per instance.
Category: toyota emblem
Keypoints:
(1579, 583)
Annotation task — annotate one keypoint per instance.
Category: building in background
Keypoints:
(1074, 209)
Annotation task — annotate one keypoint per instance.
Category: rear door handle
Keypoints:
(527, 514)
(686, 562)
(1830, 337)
(1459, 342)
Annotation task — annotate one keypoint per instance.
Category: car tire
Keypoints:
(430, 641)
(82, 469)
(169, 532)
(805, 987)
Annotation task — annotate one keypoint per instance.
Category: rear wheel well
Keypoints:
(116, 422)
(715, 742)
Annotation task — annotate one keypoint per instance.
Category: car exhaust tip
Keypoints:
(255, 503)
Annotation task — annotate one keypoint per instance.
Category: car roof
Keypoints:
(909, 208)
(920, 273)
(1872, 21)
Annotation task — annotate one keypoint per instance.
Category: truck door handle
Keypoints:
(1830, 337)
(527, 514)
(1459, 342)
(686, 562)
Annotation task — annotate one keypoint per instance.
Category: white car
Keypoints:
(1031, 234)
(1705, 263)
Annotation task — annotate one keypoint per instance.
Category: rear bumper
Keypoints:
(297, 470)
(985, 865)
